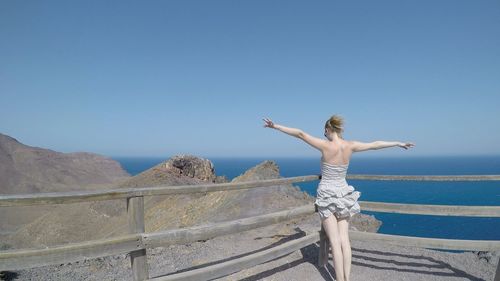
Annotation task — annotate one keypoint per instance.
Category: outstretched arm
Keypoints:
(312, 141)
(362, 146)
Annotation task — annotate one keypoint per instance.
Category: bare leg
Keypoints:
(332, 232)
(346, 246)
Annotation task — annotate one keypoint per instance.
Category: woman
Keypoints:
(336, 200)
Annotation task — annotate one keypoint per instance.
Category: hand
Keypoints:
(268, 123)
(406, 145)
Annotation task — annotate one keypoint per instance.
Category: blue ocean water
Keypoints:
(485, 193)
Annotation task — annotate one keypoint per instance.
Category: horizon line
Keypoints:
(305, 156)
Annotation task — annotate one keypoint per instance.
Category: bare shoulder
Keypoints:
(350, 143)
(354, 145)
(315, 142)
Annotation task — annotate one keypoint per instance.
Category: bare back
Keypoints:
(337, 152)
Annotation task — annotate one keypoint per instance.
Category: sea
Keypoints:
(477, 193)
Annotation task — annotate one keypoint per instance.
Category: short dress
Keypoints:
(334, 195)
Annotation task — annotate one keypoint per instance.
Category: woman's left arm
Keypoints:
(298, 133)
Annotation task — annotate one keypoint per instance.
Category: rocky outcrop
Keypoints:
(192, 167)
(261, 200)
(263, 171)
(178, 170)
(366, 223)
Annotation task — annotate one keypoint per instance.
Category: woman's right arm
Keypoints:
(357, 146)
(312, 141)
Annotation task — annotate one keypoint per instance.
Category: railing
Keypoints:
(137, 241)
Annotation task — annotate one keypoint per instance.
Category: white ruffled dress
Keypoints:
(334, 195)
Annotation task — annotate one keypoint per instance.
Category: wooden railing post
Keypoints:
(497, 273)
(324, 247)
(138, 258)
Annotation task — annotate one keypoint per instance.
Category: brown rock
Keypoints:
(366, 223)
(191, 166)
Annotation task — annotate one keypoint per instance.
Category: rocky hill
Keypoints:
(26, 169)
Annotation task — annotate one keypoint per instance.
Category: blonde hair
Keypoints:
(335, 124)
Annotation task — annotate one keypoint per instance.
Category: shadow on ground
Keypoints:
(416, 267)
(8, 275)
(310, 255)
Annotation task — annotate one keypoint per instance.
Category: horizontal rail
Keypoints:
(28, 258)
(423, 242)
(425, 178)
(120, 193)
(205, 232)
(437, 210)
(238, 264)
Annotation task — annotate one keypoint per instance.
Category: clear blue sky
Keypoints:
(157, 78)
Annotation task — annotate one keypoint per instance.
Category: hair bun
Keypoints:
(335, 123)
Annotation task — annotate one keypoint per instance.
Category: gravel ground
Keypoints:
(371, 261)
